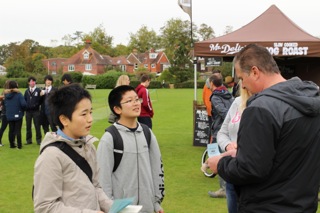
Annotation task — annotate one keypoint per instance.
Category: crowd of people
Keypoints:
(265, 126)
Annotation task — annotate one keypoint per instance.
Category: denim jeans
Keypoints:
(232, 198)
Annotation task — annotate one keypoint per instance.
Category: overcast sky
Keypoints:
(47, 20)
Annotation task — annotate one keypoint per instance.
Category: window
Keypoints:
(153, 66)
(88, 67)
(135, 66)
(145, 65)
(86, 55)
(71, 67)
(53, 64)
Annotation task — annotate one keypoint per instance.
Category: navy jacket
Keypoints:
(15, 106)
(277, 166)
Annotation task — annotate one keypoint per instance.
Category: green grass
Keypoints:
(186, 187)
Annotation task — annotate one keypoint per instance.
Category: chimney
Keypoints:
(88, 43)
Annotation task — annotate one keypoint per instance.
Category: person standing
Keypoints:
(4, 121)
(206, 94)
(146, 105)
(46, 118)
(15, 107)
(221, 100)
(140, 174)
(227, 139)
(34, 100)
(60, 185)
(276, 167)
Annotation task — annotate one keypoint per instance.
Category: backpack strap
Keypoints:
(118, 142)
(117, 146)
(78, 159)
(147, 133)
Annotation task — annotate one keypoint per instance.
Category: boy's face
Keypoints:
(130, 105)
(48, 83)
(81, 122)
(32, 83)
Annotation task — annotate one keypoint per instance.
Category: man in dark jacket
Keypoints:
(34, 100)
(276, 167)
(221, 100)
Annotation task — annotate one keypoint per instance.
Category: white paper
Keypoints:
(131, 209)
(213, 149)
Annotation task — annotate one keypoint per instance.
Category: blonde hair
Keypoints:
(244, 95)
(123, 80)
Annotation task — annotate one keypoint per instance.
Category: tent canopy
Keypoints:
(272, 29)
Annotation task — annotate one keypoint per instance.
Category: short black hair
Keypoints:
(115, 96)
(32, 78)
(48, 77)
(66, 77)
(216, 80)
(64, 100)
(144, 78)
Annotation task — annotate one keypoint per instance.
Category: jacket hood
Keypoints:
(302, 95)
(140, 86)
(222, 92)
(52, 137)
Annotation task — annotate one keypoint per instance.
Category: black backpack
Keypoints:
(118, 143)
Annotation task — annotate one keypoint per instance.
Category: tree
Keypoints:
(144, 40)
(206, 32)
(228, 29)
(100, 40)
(173, 33)
(37, 64)
(16, 69)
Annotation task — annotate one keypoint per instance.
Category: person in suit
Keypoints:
(33, 98)
(46, 118)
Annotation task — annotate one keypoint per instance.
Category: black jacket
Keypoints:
(33, 99)
(277, 167)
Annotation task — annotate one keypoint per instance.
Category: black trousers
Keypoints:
(146, 120)
(15, 132)
(35, 116)
(4, 124)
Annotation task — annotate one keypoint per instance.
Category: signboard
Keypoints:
(201, 128)
(213, 62)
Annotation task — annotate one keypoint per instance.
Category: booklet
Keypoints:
(120, 205)
(213, 149)
(131, 209)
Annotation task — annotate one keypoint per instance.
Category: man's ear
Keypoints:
(255, 72)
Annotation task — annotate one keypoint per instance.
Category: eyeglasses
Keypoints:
(138, 100)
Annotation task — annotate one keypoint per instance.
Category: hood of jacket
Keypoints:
(223, 92)
(302, 95)
(139, 87)
(52, 137)
(9, 93)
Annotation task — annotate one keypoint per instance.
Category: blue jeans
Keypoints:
(232, 198)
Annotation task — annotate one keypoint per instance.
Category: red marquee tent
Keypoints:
(272, 29)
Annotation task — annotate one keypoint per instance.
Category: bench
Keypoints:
(91, 86)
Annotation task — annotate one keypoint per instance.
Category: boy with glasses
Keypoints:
(140, 172)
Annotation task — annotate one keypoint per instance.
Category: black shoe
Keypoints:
(13, 147)
(19, 147)
(28, 143)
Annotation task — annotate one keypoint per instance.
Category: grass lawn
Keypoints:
(186, 187)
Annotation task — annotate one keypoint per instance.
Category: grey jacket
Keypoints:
(61, 186)
(140, 173)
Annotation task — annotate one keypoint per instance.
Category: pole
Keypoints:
(193, 58)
